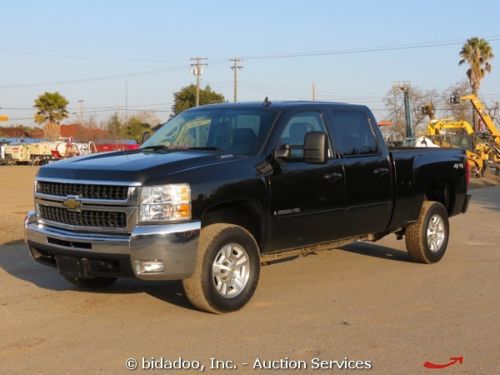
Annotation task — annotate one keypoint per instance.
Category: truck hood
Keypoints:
(128, 166)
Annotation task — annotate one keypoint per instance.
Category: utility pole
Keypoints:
(126, 101)
(235, 69)
(81, 111)
(314, 92)
(405, 87)
(197, 71)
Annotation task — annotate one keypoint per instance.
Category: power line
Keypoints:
(364, 50)
(259, 57)
(93, 79)
(84, 58)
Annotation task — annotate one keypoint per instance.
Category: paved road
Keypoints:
(364, 302)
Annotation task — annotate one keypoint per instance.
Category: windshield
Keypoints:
(236, 131)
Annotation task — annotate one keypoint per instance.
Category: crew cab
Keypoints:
(221, 189)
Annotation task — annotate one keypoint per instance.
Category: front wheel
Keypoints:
(227, 269)
(427, 239)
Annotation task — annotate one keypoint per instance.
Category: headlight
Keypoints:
(165, 203)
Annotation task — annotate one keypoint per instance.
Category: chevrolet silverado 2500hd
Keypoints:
(221, 188)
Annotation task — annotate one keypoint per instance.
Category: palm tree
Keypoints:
(51, 109)
(477, 52)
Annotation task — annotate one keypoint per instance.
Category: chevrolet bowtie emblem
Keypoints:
(72, 203)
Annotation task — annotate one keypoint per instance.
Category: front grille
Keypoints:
(83, 190)
(102, 219)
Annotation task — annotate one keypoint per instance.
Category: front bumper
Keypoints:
(117, 255)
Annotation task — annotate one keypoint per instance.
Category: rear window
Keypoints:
(354, 133)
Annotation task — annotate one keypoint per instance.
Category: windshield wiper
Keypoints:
(178, 148)
(155, 147)
(204, 148)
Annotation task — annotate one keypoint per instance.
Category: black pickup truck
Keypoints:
(221, 189)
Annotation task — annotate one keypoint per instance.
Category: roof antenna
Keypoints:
(267, 102)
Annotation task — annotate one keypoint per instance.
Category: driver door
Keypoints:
(307, 200)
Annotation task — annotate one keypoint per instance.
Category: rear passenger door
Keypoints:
(367, 173)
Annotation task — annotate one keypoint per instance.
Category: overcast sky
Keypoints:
(91, 50)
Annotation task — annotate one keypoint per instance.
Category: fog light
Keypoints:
(148, 266)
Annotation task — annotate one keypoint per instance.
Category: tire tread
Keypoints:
(414, 234)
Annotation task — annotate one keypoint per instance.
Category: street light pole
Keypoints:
(81, 111)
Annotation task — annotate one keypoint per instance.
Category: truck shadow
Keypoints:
(377, 251)
(487, 198)
(15, 260)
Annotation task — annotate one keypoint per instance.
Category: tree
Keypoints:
(185, 98)
(114, 126)
(135, 128)
(494, 111)
(148, 117)
(394, 102)
(456, 111)
(476, 52)
(51, 109)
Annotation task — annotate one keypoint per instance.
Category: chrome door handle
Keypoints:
(381, 171)
(333, 177)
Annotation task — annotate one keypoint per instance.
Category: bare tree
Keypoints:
(394, 102)
(456, 111)
(91, 122)
(148, 117)
(494, 111)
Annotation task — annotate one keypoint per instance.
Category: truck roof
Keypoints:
(280, 105)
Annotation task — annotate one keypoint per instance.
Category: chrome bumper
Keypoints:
(173, 244)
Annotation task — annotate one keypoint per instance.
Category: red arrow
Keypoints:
(453, 360)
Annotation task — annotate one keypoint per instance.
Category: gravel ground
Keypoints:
(364, 301)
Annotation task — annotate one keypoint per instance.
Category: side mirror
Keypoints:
(282, 152)
(145, 137)
(315, 148)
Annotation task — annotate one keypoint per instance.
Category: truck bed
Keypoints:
(415, 169)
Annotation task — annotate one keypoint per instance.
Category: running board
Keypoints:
(275, 256)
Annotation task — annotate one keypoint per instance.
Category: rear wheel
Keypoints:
(427, 239)
(227, 269)
(91, 283)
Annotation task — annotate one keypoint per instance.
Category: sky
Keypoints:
(135, 54)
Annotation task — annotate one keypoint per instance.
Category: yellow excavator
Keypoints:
(480, 148)
(455, 134)
(489, 145)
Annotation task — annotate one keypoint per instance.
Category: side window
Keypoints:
(354, 133)
(240, 133)
(296, 129)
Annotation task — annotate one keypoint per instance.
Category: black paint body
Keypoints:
(295, 203)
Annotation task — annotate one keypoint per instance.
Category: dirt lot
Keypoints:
(364, 301)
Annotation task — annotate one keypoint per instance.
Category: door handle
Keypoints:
(333, 177)
(381, 171)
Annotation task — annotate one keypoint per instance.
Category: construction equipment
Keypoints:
(481, 148)
(489, 145)
(455, 134)
(44, 152)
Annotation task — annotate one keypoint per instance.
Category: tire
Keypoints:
(213, 287)
(91, 283)
(427, 239)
